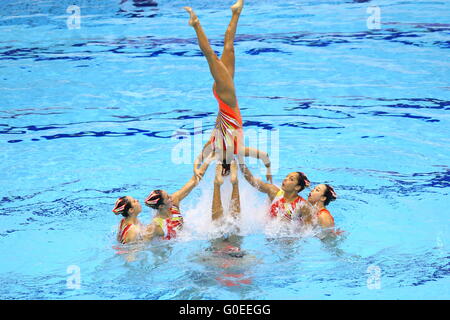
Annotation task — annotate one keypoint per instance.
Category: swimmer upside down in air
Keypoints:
(227, 138)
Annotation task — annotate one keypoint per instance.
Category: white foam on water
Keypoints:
(253, 217)
(197, 212)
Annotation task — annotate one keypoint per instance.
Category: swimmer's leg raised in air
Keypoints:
(228, 57)
(223, 80)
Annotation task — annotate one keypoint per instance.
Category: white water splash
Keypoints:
(253, 217)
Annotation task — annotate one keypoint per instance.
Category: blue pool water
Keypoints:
(92, 113)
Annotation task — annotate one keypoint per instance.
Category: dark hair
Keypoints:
(154, 199)
(122, 206)
(226, 167)
(329, 194)
(302, 180)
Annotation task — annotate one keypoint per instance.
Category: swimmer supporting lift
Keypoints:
(226, 145)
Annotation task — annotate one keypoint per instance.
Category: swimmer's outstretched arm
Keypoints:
(206, 152)
(268, 188)
(264, 156)
(190, 185)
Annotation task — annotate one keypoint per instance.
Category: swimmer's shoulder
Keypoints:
(325, 218)
(132, 234)
(273, 191)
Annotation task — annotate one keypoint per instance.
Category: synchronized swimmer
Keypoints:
(227, 139)
(226, 146)
(168, 219)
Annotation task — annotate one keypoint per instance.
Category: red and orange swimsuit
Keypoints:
(325, 211)
(281, 208)
(228, 127)
(170, 226)
(123, 229)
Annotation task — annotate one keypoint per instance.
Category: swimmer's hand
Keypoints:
(269, 175)
(197, 171)
(198, 175)
(200, 172)
(210, 158)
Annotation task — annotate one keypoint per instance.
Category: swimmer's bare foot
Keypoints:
(233, 173)
(237, 7)
(193, 20)
(218, 180)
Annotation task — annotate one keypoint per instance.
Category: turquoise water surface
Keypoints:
(118, 103)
